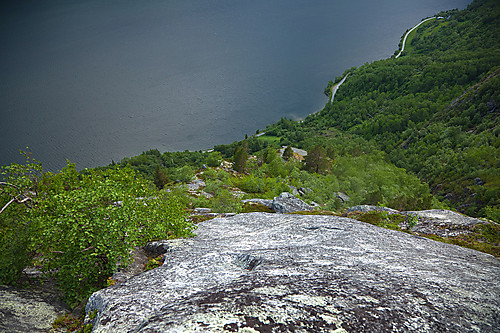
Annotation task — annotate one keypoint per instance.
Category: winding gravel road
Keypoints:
(404, 40)
(336, 87)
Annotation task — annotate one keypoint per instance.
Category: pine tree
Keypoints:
(316, 161)
(240, 158)
(160, 178)
(287, 153)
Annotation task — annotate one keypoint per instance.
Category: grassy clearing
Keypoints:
(270, 139)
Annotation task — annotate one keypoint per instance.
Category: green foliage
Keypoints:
(240, 158)
(493, 213)
(83, 225)
(73, 324)
(148, 163)
(17, 195)
(316, 161)
(382, 219)
(214, 159)
(322, 188)
(276, 168)
(250, 184)
(412, 220)
(160, 178)
(328, 88)
(226, 202)
(371, 179)
(87, 224)
(69, 322)
(267, 187)
(183, 174)
(153, 263)
(287, 153)
(269, 155)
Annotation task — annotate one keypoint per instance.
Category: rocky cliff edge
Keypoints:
(262, 272)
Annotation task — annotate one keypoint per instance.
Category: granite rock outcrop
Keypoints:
(261, 272)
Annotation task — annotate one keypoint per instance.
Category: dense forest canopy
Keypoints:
(434, 110)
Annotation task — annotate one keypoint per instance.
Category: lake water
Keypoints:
(95, 81)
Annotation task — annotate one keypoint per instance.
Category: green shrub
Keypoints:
(214, 159)
(250, 184)
(153, 263)
(225, 202)
(493, 213)
(84, 224)
(17, 193)
(14, 248)
(183, 174)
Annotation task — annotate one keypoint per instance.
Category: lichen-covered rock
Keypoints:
(29, 310)
(369, 208)
(263, 202)
(342, 197)
(196, 184)
(261, 272)
(443, 223)
(287, 203)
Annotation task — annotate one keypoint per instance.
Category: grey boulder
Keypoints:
(196, 184)
(256, 201)
(443, 223)
(262, 272)
(287, 203)
(369, 208)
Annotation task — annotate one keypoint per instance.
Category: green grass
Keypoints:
(271, 140)
(421, 32)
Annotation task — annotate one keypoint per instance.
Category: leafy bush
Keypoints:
(14, 246)
(85, 224)
(214, 159)
(493, 213)
(183, 174)
(369, 179)
(250, 184)
(16, 197)
(225, 202)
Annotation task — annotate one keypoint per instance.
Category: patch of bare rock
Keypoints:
(440, 222)
(30, 310)
(261, 272)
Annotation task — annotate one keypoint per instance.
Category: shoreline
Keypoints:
(336, 86)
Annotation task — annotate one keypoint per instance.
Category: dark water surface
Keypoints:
(92, 81)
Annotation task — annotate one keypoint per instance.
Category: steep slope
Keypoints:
(434, 109)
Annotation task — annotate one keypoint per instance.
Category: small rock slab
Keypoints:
(369, 208)
(28, 310)
(196, 184)
(287, 203)
(263, 202)
(443, 223)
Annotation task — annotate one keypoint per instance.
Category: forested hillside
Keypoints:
(434, 110)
